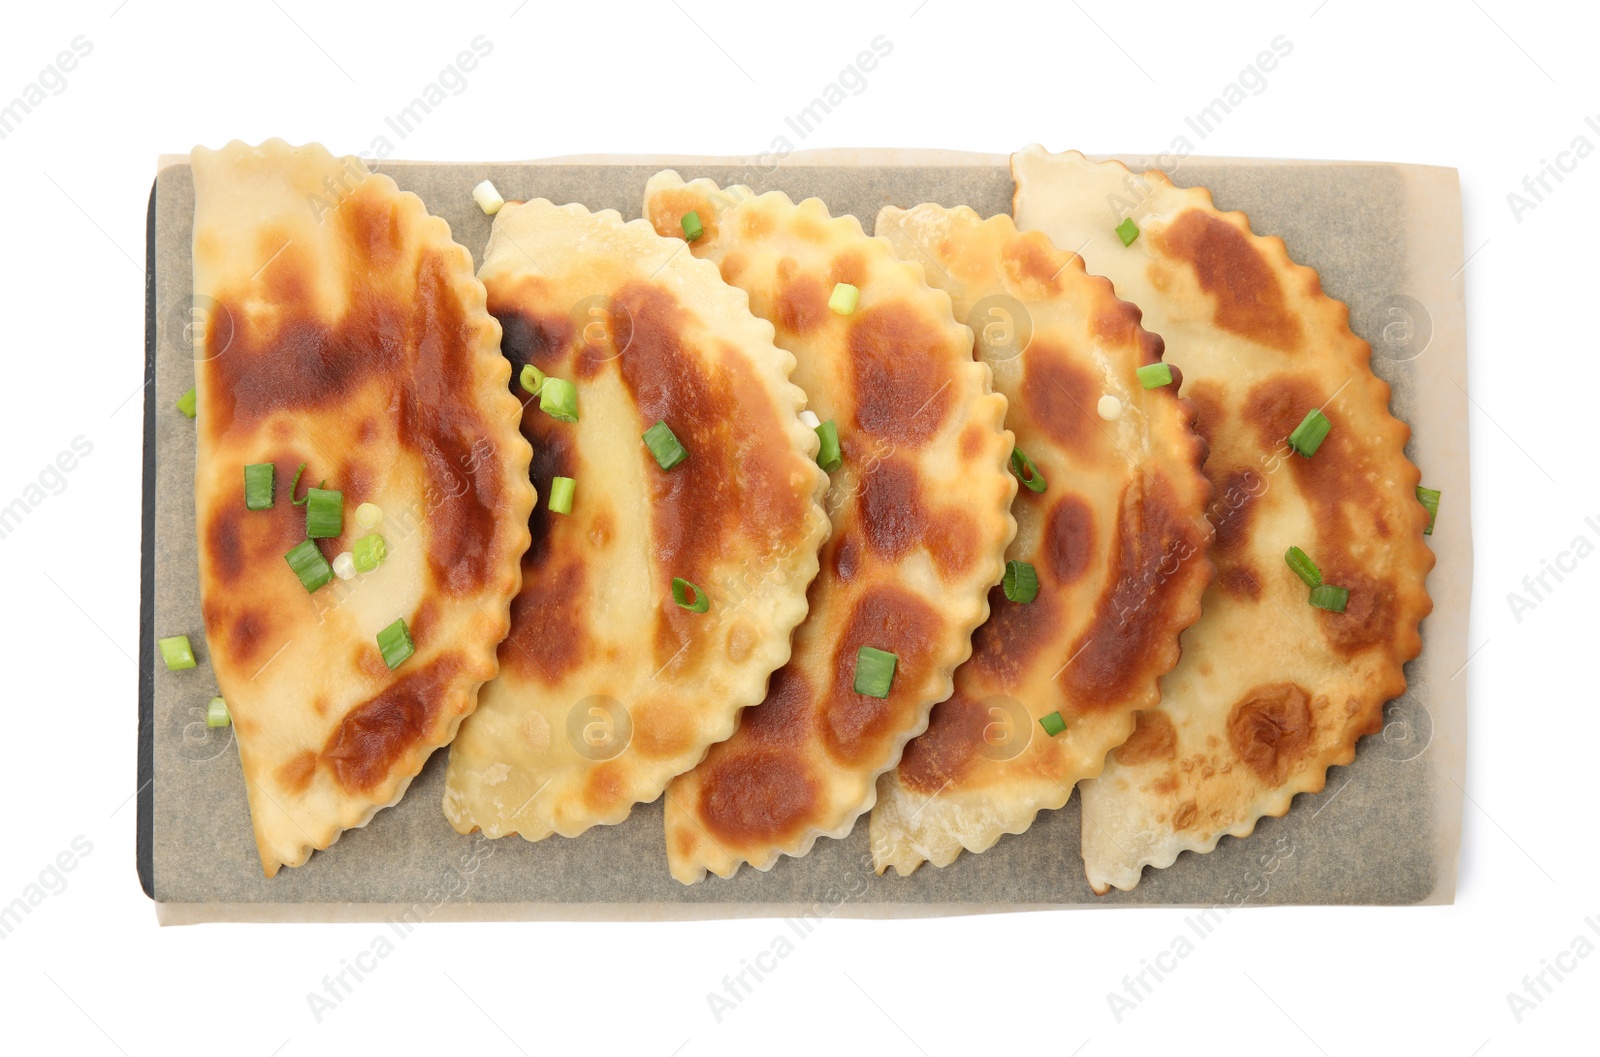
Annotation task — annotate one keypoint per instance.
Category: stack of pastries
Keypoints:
(740, 505)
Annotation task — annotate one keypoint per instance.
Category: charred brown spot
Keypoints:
(546, 642)
(1184, 817)
(855, 728)
(894, 520)
(604, 787)
(900, 362)
(784, 717)
(1153, 571)
(1240, 581)
(241, 541)
(1060, 396)
(848, 267)
(1270, 729)
(526, 338)
(1117, 324)
(372, 227)
(1232, 513)
(1369, 617)
(802, 304)
(1249, 299)
(945, 752)
(1069, 538)
(295, 775)
(756, 796)
(1210, 405)
(364, 748)
(1012, 637)
(1154, 738)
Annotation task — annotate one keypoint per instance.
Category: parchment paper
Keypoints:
(1386, 830)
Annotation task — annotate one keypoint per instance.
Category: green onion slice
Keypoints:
(844, 298)
(1155, 375)
(558, 398)
(683, 590)
(1310, 433)
(561, 489)
(324, 513)
(828, 455)
(1127, 231)
(368, 552)
(531, 378)
(1430, 500)
(176, 652)
(217, 713)
(692, 228)
(294, 487)
(394, 642)
(259, 479)
(874, 671)
(1053, 724)
(1303, 566)
(1021, 583)
(309, 564)
(1026, 471)
(186, 402)
(1329, 597)
(663, 444)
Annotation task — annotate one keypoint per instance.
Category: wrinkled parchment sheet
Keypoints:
(1386, 830)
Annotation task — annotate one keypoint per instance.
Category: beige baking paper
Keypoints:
(1386, 830)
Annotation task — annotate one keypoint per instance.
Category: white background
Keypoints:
(1492, 88)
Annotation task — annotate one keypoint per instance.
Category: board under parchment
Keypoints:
(1386, 239)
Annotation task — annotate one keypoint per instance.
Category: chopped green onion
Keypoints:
(1430, 501)
(1155, 375)
(1053, 724)
(1109, 408)
(1026, 471)
(844, 298)
(561, 489)
(394, 642)
(558, 398)
(663, 444)
(531, 378)
(259, 479)
(828, 454)
(176, 652)
(1021, 583)
(874, 671)
(368, 552)
(488, 198)
(368, 515)
(692, 228)
(809, 419)
(1127, 231)
(186, 403)
(1310, 433)
(217, 713)
(344, 565)
(295, 487)
(1303, 566)
(324, 513)
(683, 590)
(1329, 597)
(309, 564)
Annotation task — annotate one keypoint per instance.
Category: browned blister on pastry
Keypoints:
(1271, 691)
(920, 519)
(1117, 540)
(346, 331)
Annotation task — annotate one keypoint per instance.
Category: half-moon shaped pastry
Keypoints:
(1115, 542)
(920, 510)
(347, 333)
(1272, 690)
(687, 464)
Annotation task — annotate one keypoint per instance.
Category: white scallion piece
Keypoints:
(344, 566)
(810, 419)
(488, 198)
(368, 515)
(1110, 408)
